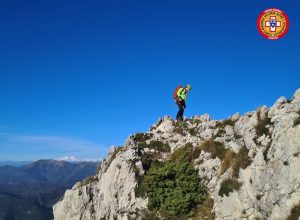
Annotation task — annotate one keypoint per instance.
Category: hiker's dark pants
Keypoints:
(181, 106)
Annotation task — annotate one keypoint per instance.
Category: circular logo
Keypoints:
(273, 23)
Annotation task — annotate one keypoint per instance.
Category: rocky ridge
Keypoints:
(249, 164)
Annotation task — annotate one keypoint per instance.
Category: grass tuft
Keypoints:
(216, 149)
(229, 185)
(295, 213)
(204, 211)
(261, 127)
(88, 180)
(159, 146)
(265, 153)
(238, 161)
(187, 153)
(113, 156)
(297, 120)
(142, 137)
(229, 122)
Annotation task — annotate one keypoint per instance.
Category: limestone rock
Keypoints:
(269, 186)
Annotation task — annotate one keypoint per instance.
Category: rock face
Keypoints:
(269, 184)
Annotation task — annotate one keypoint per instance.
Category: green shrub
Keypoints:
(173, 188)
(142, 137)
(141, 188)
(147, 159)
(229, 185)
(295, 213)
(159, 146)
(297, 120)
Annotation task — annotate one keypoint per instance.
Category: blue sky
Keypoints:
(80, 76)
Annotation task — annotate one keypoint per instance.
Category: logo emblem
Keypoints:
(273, 23)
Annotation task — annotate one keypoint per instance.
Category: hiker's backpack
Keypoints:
(175, 92)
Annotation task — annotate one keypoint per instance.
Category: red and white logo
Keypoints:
(273, 23)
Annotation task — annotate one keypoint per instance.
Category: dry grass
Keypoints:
(204, 211)
(216, 149)
(265, 153)
(261, 127)
(237, 161)
(180, 128)
(113, 156)
(227, 162)
(295, 213)
(228, 186)
(193, 131)
(88, 180)
(187, 152)
(228, 157)
(297, 120)
(229, 122)
(191, 153)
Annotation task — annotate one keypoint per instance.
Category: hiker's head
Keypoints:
(188, 87)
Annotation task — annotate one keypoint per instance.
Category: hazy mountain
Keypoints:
(14, 163)
(14, 207)
(35, 187)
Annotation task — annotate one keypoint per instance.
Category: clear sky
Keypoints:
(79, 76)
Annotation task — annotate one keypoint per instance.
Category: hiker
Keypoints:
(180, 95)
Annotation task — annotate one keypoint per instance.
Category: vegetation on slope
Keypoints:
(295, 213)
(229, 185)
(173, 187)
(297, 120)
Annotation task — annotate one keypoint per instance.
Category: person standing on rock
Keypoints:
(180, 96)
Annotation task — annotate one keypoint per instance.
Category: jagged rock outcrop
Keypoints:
(261, 154)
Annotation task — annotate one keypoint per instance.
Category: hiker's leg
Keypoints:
(180, 112)
(183, 108)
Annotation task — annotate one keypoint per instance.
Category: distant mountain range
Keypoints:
(14, 163)
(29, 191)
